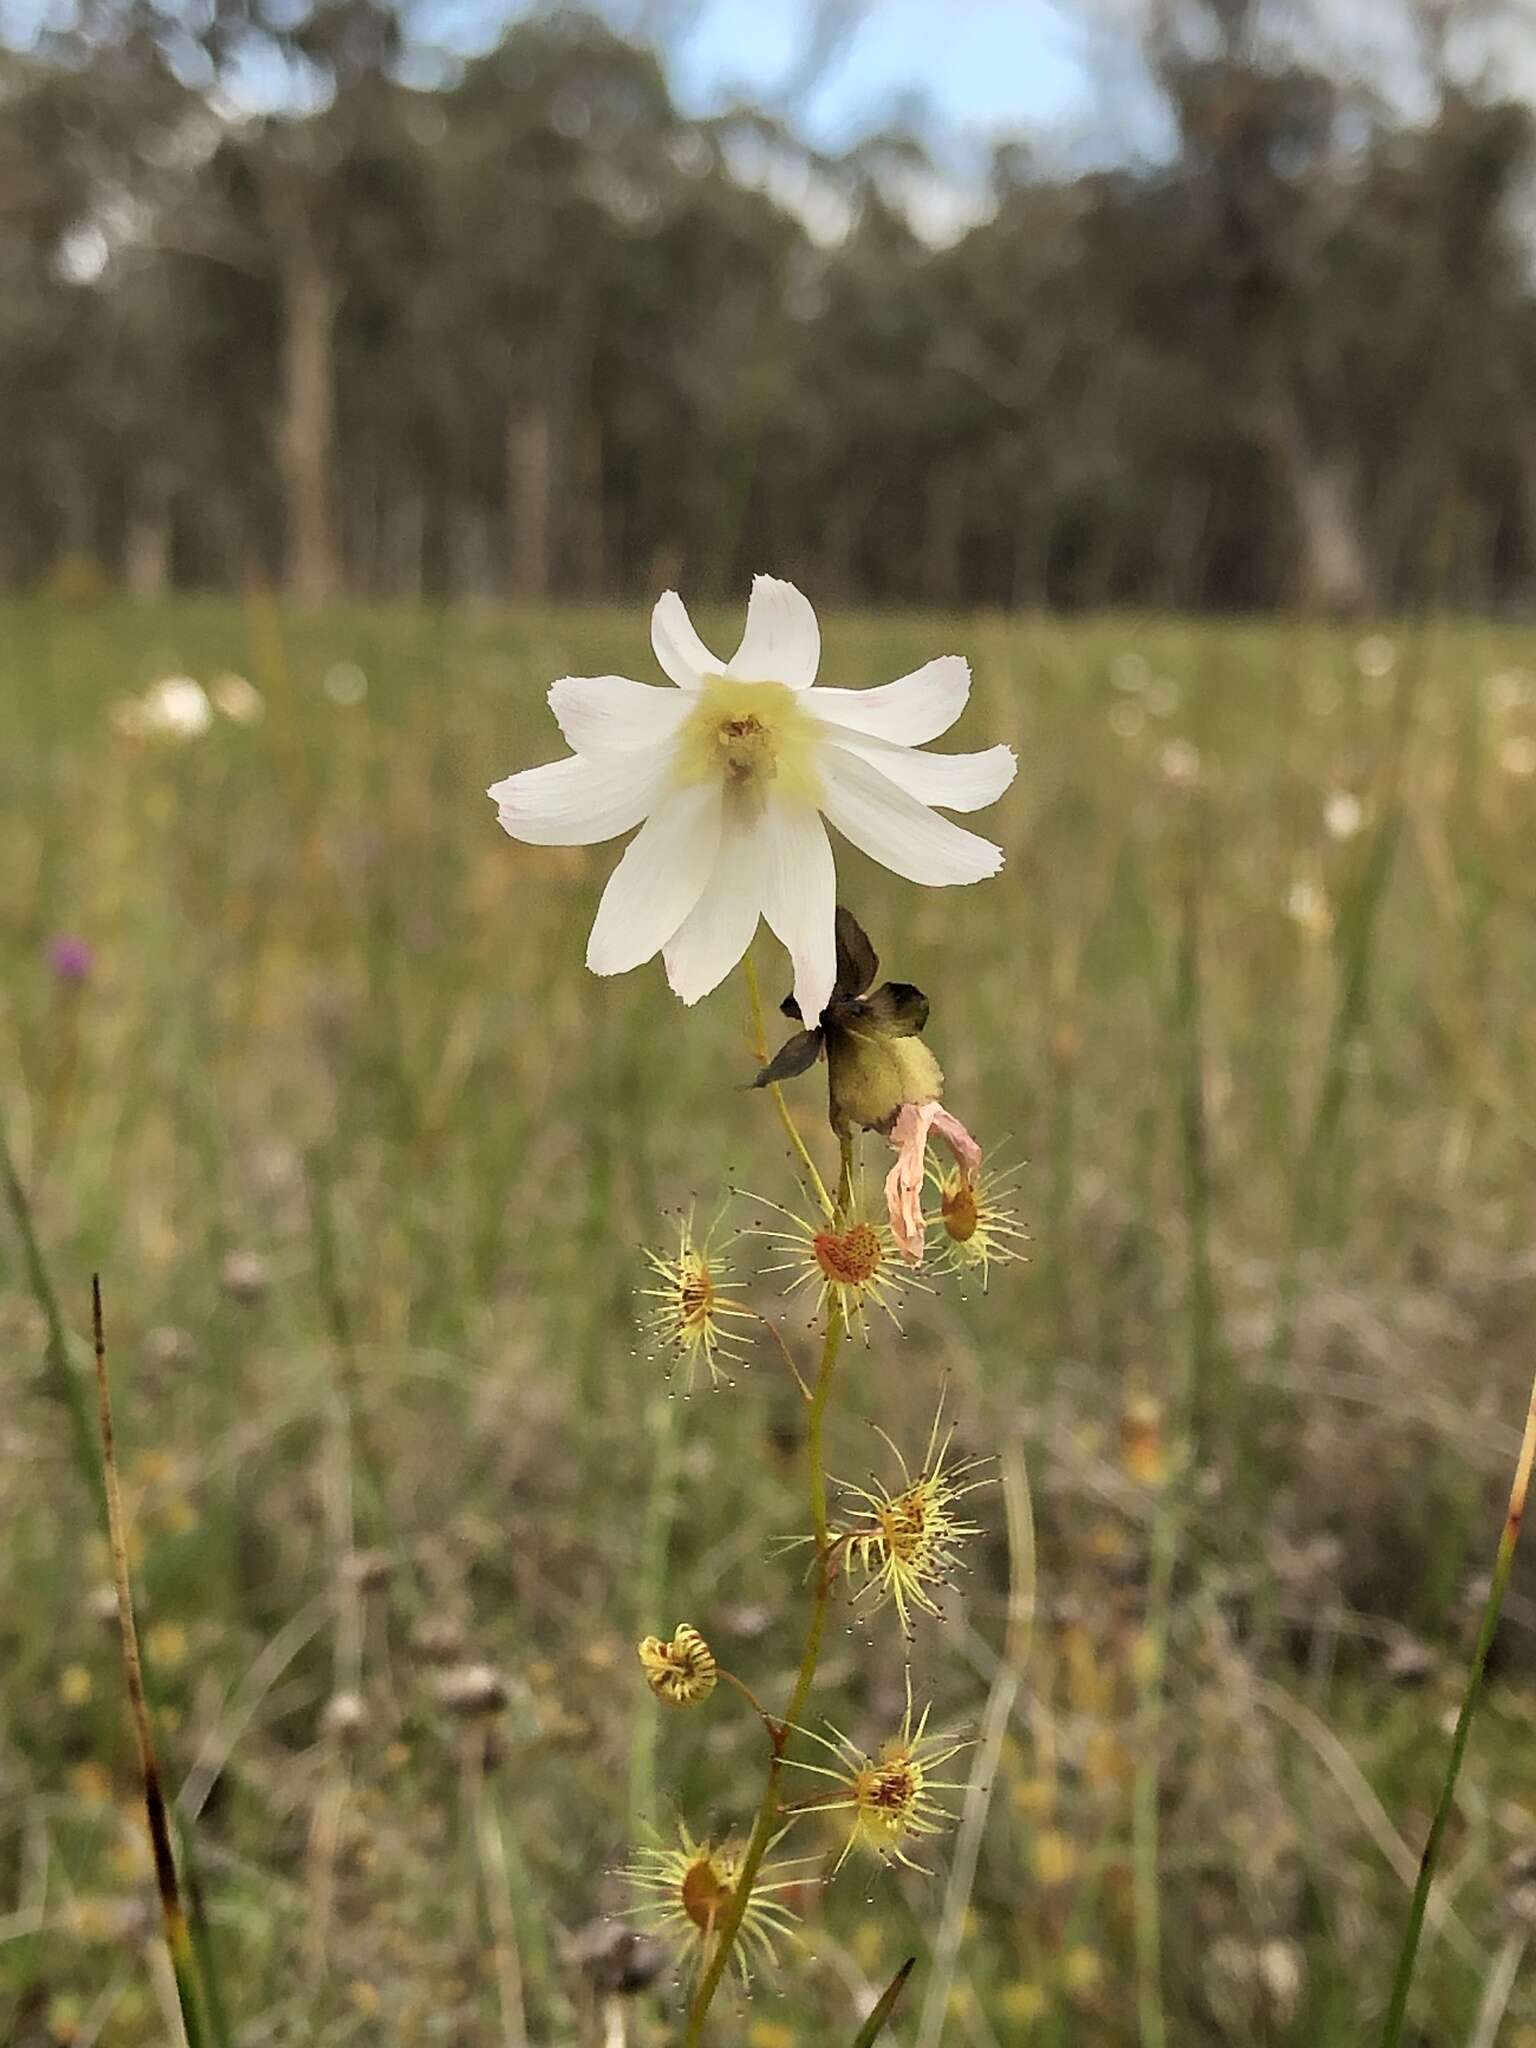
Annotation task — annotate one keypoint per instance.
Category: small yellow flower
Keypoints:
(888, 1795)
(694, 1306)
(75, 1685)
(979, 1229)
(681, 1672)
(687, 1891)
(908, 1541)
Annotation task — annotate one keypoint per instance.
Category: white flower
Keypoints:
(177, 706)
(729, 775)
(238, 699)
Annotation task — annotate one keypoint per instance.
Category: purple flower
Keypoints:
(71, 958)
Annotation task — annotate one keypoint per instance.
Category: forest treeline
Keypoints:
(530, 329)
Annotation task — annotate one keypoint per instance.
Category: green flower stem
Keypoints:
(760, 1047)
(1397, 2012)
(768, 1810)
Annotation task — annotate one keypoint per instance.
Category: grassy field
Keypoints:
(365, 1160)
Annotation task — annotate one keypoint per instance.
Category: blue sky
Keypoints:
(1059, 71)
(982, 64)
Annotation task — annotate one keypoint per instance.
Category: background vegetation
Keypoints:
(366, 1164)
(519, 325)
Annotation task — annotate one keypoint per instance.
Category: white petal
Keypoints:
(719, 928)
(611, 715)
(955, 782)
(577, 802)
(782, 643)
(909, 711)
(800, 899)
(681, 653)
(895, 829)
(660, 879)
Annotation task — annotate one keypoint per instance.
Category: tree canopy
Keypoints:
(533, 329)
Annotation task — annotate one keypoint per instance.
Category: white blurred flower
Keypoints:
(1376, 655)
(1126, 720)
(1343, 814)
(1512, 689)
(729, 774)
(1180, 764)
(345, 684)
(1130, 672)
(177, 707)
(1307, 905)
(1517, 756)
(239, 700)
(1164, 697)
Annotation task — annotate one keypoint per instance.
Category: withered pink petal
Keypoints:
(959, 1140)
(904, 1183)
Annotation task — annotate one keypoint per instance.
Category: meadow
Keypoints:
(366, 1161)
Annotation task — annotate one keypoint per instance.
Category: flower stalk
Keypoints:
(765, 1826)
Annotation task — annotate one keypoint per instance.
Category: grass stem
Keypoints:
(1397, 2011)
(178, 1940)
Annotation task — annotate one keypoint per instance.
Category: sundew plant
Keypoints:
(729, 772)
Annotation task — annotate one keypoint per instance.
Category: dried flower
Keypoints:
(889, 1795)
(345, 1716)
(876, 1058)
(904, 1183)
(243, 1276)
(682, 1672)
(471, 1689)
(728, 776)
(687, 1891)
(909, 1541)
(694, 1309)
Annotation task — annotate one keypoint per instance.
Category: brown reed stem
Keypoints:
(1514, 1515)
(178, 1940)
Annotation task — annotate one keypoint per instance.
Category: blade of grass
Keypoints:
(886, 2005)
(178, 1940)
(63, 1382)
(989, 1745)
(1392, 2032)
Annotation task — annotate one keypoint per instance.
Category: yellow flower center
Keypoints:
(849, 1258)
(750, 735)
(904, 1524)
(695, 1294)
(887, 1791)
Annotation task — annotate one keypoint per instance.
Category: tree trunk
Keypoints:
(307, 410)
(529, 476)
(147, 542)
(1332, 575)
